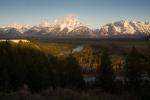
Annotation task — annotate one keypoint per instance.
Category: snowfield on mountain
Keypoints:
(70, 26)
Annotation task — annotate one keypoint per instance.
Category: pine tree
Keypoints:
(21, 64)
(73, 77)
(105, 75)
(75, 71)
(133, 68)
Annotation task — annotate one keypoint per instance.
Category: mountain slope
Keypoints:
(70, 26)
(64, 28)
(126, 28)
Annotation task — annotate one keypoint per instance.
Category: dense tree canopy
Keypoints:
(26, 63)
(105, 75)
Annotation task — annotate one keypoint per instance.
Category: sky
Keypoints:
(93, 13)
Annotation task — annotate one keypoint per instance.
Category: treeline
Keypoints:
(26, 64)
(135, 78)
(89, 59)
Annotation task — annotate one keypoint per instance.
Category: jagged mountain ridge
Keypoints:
(72, 27)
(66, 27)
(126, 28)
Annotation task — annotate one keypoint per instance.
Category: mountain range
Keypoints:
(71, 27)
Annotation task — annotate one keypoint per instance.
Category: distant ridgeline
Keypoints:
(72, 27)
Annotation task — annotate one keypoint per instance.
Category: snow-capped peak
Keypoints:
(70, 26)
(44, 23)
(19, 27)
(70, 23)
(125, 27)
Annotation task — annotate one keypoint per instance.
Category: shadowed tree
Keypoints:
(73, 74)
(68, 73)
(105, 75)
(145, 84)
(23, 63)
(133, 69)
